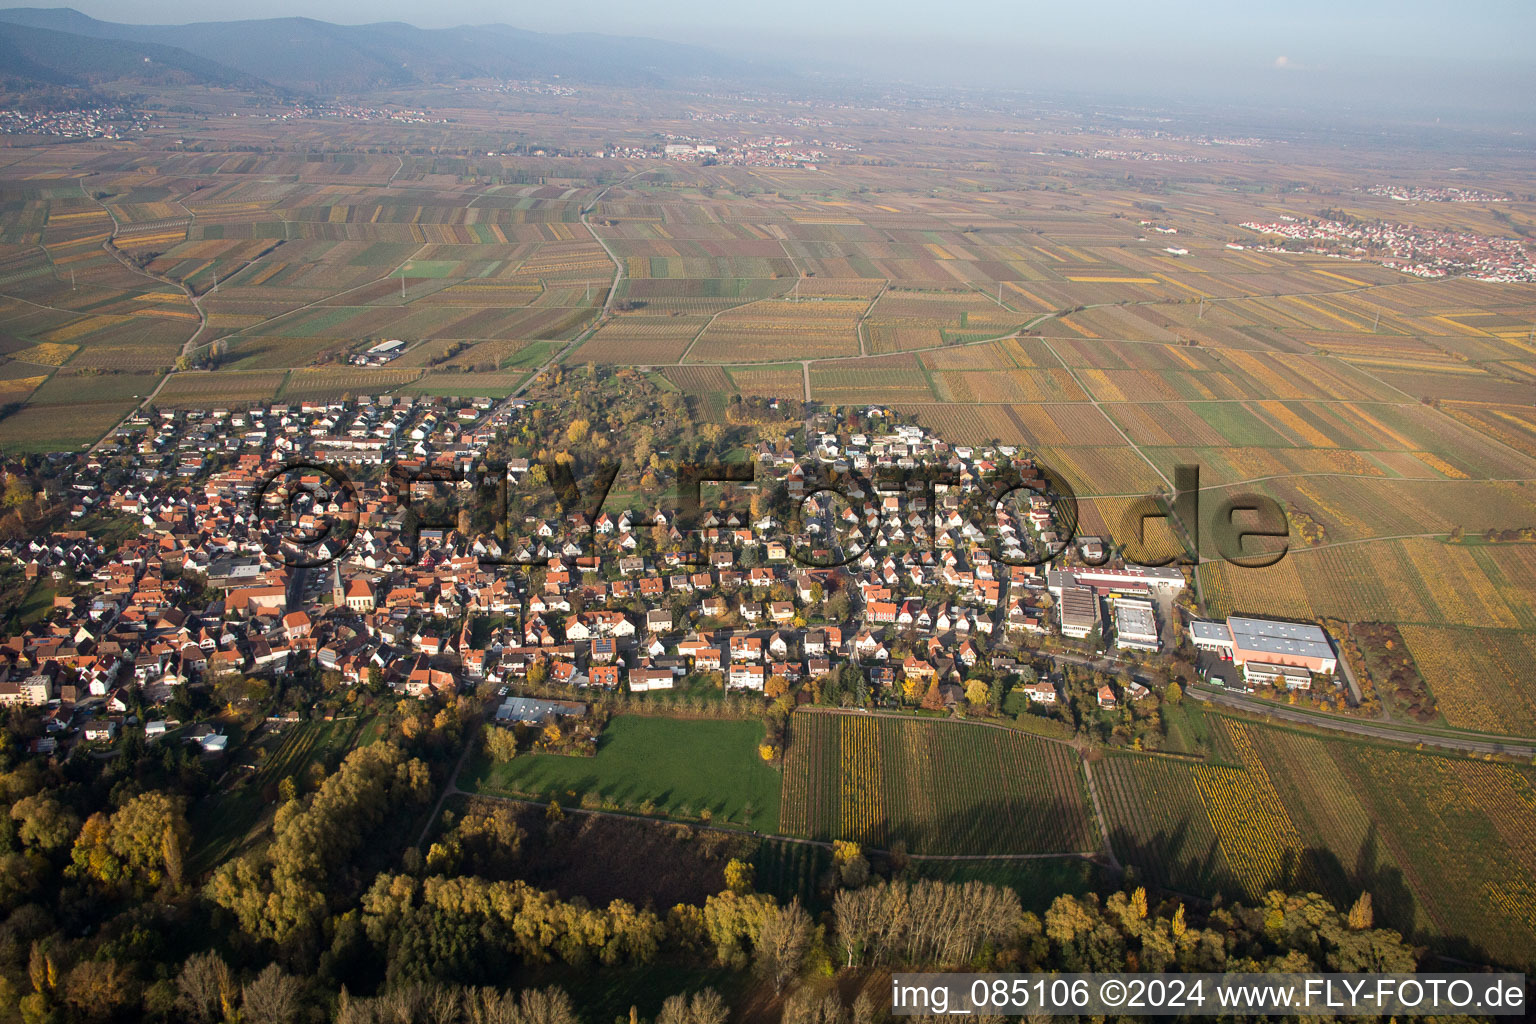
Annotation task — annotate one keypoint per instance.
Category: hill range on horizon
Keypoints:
(308, 57)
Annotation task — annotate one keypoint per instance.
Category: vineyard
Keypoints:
(789, 870)
(940, 787)
(1446, 846)
(776, 329)
(642, 339)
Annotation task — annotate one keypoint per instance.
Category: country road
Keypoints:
(602, 314)
(1392, 733)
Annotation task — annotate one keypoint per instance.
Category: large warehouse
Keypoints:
(1136, 624)
(1079, 607)
(1267, 642)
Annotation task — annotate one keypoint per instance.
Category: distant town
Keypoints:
(1421, 252)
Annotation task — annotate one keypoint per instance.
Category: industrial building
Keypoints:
(1079, 607)
(1268, 650)
(1136, 624)
(1124, 577)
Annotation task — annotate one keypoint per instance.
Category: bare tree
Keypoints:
(272, 997)
(488, 1006)
(864, 1009)
(804, 1008)
(781, 945)
(544, 1006)
(706, 1007)
(204, 984)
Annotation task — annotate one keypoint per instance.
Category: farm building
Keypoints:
(381, 353)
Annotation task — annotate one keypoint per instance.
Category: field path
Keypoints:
(825, 845)
(111, 248)
(1098, 814)
(1398, 733)
(604, 313)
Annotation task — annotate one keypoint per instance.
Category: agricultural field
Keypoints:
(1385, 410)
(786, 382)
(1434, 839)
(207, 390)
(814, 328)
(681, 768)
(940, 787)
(328, 382)
(642, 339)
(472, 384)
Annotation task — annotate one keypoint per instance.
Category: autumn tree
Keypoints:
(43, 823)
(1361, 915)
(128, 849)
(97, 990)
(738, 876)
(501, 745)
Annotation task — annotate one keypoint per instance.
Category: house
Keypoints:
(1107, 699)
(1040, 693)
(914, 667)
(606, 676)
(100, 731)
(213, 743)
(643, 679)
(869, 647)
(747, 677)
(746, 648)
(658, 620)
(36, 689)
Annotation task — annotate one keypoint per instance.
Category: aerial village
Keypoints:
(918, 597)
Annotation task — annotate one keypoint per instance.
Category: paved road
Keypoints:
(603, 314)
(1393, 733)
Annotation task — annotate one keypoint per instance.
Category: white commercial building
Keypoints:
(1136, 624)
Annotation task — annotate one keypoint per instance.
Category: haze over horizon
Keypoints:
(1410, 58)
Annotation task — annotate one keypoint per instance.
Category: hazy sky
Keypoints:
(1468, 28)
(1463, 52)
